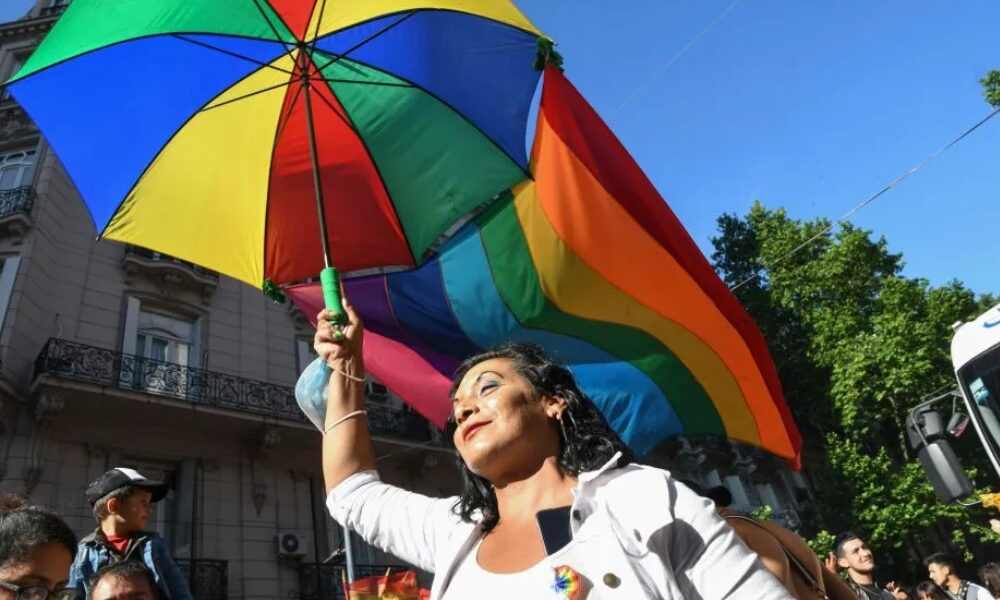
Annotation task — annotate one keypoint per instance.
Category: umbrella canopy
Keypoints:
(588, 261)
(186, 124)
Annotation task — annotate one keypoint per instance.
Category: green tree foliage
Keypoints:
(857, 345)
(763, 513)
(822, 543)
(992, 84)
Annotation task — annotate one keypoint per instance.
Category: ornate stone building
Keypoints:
(116, 356)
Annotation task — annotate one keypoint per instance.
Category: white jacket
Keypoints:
(637, 534)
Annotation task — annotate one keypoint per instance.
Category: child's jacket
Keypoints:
(147, 547)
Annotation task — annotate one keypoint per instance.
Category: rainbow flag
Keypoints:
(396, 586)
(587, 260)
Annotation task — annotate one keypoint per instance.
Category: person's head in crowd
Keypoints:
(989, 574)
(853, 554)
(904, 592)
(941, 568)
(128, 580)
(928, 590)
(514, 408)
(36, 551)
(122, 499)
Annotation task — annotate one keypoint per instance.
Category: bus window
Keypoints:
(981, 380)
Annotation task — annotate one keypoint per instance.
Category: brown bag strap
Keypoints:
(793, 560)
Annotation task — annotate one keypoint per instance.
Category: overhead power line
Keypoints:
(871, 198)
(656, 74)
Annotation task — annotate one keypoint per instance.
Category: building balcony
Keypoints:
(326, 582)
(208, 579)
(15, 210)
(19, 200)
(170, 271)
(62, 360)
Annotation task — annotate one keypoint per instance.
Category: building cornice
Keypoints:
(28, 26)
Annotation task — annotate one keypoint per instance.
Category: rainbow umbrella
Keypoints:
(229, 133)
(588, 261)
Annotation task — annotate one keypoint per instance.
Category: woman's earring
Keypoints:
(562, 429)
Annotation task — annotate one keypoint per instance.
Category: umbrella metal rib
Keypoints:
(289, 50)
(319, 21)
(230, 53)
(245, 96)
(344, 54)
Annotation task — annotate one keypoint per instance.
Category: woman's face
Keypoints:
(505, 428)
(46, 566)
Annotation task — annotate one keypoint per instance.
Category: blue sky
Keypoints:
(812, 106)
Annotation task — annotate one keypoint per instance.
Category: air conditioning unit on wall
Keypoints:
(291, 544)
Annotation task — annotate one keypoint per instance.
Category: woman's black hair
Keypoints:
(586, 441)
(908, 591)
(24, 528)
(989, 574)
(932, 591)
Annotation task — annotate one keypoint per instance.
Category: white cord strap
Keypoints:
(349, 415)
(348, 375)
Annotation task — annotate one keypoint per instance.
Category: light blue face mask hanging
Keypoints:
(311, 392)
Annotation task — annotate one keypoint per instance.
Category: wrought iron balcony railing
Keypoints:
(89, 364)
(17, 200)
(208, 579)
(326, 582)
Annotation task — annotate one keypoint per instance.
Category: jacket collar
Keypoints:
(589, 476)
(98, 538)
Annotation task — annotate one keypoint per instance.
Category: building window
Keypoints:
(162, 514)
(304, 354)
(164, 338)
(8, 271)
(17, 169)
(170, 517)
(157, 335)
(376, 391)
(163, 345)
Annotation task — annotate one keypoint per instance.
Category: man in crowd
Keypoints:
(852, 554)
(127, 580)
(941, 568)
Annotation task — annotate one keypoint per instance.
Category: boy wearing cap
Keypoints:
(121, 500)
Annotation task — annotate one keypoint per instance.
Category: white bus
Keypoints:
(975, 353)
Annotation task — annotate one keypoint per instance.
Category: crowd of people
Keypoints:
(856, 560)
(40, 556)
(552, 506)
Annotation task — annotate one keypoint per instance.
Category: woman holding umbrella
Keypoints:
(552, 505)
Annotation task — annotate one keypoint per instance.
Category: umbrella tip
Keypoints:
(547, 54)
(273, 291)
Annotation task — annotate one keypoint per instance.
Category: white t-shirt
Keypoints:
(472, 581)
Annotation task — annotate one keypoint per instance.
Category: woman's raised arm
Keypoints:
(347, 445)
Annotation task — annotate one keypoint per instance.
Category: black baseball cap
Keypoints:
(120, 477)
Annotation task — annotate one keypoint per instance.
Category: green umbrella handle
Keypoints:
(330, 280)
